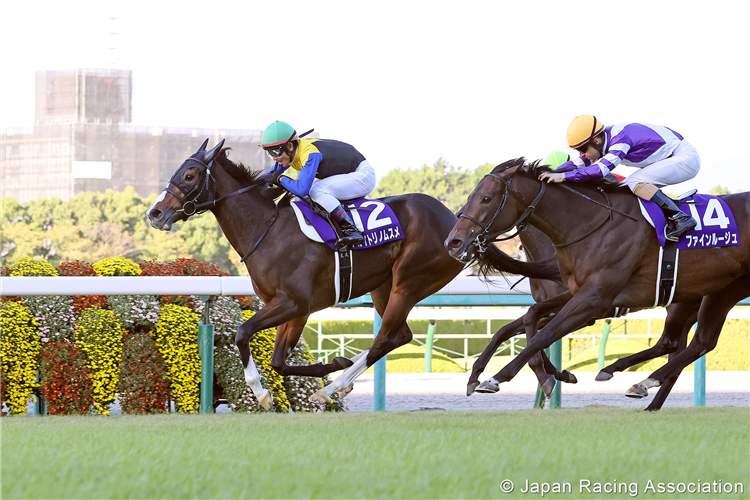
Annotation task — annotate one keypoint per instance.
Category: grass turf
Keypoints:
(436, 454)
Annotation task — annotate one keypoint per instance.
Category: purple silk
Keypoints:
(716, 225)
(380, 223)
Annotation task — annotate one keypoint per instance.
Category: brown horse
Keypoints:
(680, 318)
(538, 248)
(294, 276)
(608, 258)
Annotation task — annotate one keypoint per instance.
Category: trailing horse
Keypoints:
(680, 318)
(294, 276)
(608, 256)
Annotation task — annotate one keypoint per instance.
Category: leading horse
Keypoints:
(294, 276)
(607, 254)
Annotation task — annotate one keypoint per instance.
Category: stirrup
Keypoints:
(673, 234)
(340, 244)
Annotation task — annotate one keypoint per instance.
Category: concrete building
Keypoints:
(82, 140)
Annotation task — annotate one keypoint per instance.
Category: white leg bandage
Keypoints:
(349, 375)
(252, 378)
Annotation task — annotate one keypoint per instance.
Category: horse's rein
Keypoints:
(608, 206)
(485, 237)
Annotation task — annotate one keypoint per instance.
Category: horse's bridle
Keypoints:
(205, 188)
(484, 238)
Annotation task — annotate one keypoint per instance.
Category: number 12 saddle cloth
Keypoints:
(374, 218)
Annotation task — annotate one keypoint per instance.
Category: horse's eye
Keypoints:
(189, 177)
(486, 199)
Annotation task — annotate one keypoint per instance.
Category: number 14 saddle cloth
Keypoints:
(716, 224)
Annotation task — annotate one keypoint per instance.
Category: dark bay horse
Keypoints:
(294, 276)
(538, 248)
(608, 258)
(680, 318)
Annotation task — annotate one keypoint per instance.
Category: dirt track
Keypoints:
(447, 391)
(407, 392)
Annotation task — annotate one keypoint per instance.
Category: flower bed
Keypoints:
(82, 353)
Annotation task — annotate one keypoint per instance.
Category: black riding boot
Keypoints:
(678, 222)
(350, 235)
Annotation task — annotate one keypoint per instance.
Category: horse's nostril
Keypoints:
(154, 214)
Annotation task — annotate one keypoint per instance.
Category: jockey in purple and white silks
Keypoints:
(663, 156)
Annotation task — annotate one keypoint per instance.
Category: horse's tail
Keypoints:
(494, 259)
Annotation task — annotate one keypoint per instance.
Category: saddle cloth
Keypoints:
(374, 218)
(716, 224)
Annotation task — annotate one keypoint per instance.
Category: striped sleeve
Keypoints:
(618, 149)
(573, 163)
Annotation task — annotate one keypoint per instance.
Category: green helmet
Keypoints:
(277, 133)
(555, 159)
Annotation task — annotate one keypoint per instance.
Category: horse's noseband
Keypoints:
(190, 201)
(481, 241)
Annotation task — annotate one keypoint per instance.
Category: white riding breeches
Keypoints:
(327, 192)
(682, 166)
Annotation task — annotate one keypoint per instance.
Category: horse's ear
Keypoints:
(509, 172)
(202, 148)
(208, 156)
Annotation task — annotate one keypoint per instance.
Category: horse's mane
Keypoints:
(249, 177)
(533, 169)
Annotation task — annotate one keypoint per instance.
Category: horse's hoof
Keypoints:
(637, 392)
(320, 397)
(340, 363)
(548, 387)
(489, 386)
(267, 401)
(567, 377)
(602, 376)
(470, 388)
(344, 392)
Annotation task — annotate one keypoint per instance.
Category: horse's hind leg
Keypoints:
(680, 317)
(666, 387)
(343, 383)
(711, 317)
(287, 336)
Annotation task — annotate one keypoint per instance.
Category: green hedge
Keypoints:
(732, 353)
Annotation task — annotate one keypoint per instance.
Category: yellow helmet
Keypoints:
(582, 129)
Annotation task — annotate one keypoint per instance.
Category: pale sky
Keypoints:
(407, 82)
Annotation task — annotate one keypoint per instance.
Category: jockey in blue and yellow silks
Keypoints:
(329, 171)
(662, 154)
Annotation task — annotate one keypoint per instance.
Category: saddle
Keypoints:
(323, 213)
(374, 218)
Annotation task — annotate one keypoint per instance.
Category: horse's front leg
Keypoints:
(279, 310)
(508, 331)
(536, 313)
(584, 306)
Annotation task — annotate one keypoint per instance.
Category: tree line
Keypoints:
(92, 226)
